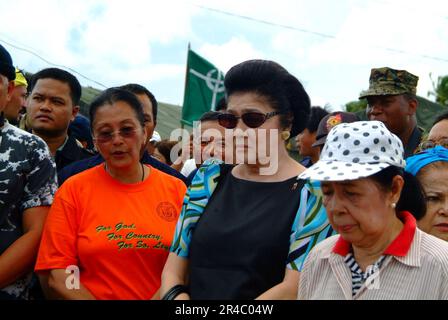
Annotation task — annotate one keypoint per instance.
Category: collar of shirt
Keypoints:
(399, 248)
(63, 145)
(69, 150)
(414, 141)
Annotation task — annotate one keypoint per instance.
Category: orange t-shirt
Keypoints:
(118, 234)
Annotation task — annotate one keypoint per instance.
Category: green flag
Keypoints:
(204, 86)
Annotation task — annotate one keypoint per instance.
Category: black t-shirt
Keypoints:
(241, 242)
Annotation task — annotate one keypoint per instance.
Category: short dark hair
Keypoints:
(60, 75)
(209, 116)
(410, 96)
(441, 117)
(164, 147)
(412, 196)
(316, 115)
(270, 80)
(221, 105)
(113, 95)
(139, 89)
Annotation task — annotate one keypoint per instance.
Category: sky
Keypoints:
(330, 46)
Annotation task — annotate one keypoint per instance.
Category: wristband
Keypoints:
(175, 291)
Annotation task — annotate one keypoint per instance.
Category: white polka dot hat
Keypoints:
(356, 150)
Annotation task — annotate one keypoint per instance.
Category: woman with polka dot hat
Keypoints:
(373, 204)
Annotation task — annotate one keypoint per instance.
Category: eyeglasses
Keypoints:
(250, 119)
(126, 133)
(429, 144)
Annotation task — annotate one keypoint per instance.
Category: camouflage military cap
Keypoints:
(387, 81)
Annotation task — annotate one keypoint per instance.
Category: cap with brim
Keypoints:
(320, 141)
(331, 120)
(155, 137)
(384, 91)
(387, 81)
(20, 80)
(356, 150)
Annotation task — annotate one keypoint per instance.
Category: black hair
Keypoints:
(440, 117)
(164, 147)
(410, 96)
(283, 91)
(412, 196)
(209, 116)
(60, 75)
(221, 105)
(113, 95)
(139, 89)
(316, 114)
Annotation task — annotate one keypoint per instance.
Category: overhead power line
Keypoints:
(319, 34)
(51, 63)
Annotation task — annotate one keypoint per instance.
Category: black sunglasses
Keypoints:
(250, 119)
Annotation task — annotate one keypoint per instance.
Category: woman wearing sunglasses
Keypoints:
(111, 226)
(236, 237)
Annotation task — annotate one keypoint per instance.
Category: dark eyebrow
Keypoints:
(347, 183)
(245, 110)
(127, 121)
(60, 99)
(101, 125)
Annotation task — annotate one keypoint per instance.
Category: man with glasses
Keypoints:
(18, 98)
(54, 103)
(391, 99)
(27, 187)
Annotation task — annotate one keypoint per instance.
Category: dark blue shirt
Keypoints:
(306, 162)
(80, 166)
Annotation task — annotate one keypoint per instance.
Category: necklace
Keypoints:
(143, 170)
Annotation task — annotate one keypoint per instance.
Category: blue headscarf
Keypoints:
(415, 163)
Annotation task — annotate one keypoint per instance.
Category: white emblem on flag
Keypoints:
(216, 85)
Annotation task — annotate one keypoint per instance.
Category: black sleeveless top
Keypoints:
(240, 245)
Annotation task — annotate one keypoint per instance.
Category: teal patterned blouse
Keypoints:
(310, 225)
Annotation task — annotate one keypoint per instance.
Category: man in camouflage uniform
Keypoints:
(27, 187)
(391, 99)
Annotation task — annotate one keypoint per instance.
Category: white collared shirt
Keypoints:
(422, 274)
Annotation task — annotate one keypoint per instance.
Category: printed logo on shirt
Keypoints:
(167, 211)
(126, 236)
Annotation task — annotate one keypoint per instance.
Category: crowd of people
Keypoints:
(101, 207)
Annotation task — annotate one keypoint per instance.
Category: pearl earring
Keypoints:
(393, 205)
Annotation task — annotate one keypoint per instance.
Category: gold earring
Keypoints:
(285, 135)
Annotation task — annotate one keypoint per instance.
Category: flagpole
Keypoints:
(186, 79)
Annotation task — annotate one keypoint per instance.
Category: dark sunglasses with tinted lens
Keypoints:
(106, 136)
(250, 119)
(429, 144)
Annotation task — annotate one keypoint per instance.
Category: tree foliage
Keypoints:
(356, 106)
(440, 90)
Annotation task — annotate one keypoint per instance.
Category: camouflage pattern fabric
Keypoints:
(387, 81)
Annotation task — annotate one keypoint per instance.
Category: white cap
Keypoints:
(155, 137)
(356, 150)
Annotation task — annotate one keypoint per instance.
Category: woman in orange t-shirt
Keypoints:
(109, 230)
